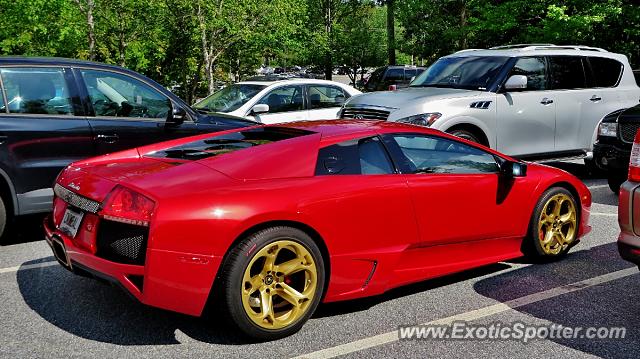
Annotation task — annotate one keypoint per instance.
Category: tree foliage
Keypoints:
(191, 45)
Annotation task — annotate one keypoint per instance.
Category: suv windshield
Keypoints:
(469, 72)
(229, 98)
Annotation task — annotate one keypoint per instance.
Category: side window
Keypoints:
(409, 73)
(116, 95)
(394, 75)
(284, 99)
(605, 71)
(535, 70)
(36, 90)
(431, 154)
(366, 156)
(325, 96)
(567, 72)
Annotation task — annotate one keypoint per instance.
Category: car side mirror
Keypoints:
(259, 108)
(513, 169)
(516, 82)
(176, 117)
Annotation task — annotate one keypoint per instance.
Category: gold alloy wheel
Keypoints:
(279, 284)
(557, 224)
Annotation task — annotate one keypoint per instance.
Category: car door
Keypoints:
(42, 130)
(526, 119)
(576, 105)
(603, 95)
(286, 104)
(325, 101)
(126, 112)
(463, 206)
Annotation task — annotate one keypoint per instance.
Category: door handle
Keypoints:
(595, 98)
(546, 101)
(3, 139)
(107, 138)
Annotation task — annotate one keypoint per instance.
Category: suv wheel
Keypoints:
(467, 135)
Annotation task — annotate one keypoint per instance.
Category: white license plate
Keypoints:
(71, 222)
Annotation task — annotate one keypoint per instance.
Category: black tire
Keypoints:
(532, 246)
(592, 168)
(467, 135)
(233, 270)
(615, 182)
(3, 221)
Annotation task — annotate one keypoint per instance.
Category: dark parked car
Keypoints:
(612, 149)
(385, 77)
(56, 111)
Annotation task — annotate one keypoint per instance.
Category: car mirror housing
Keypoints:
(259, 108)
(516, 82)
(176, 116)
(513, 169)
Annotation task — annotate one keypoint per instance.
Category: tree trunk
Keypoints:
(463, 26)
(391, 32)
(87, 9)
(328, 22)
(91, 28)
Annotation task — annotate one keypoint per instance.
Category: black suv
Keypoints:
(384, 77)
(612, 149)
(56, 111)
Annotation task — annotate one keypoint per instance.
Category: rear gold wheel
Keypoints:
(271, 282)
(279, 284)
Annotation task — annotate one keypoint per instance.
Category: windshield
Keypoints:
(469, 72)
(229, 98)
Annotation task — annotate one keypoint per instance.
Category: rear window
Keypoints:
(230, 142)
(605, 71)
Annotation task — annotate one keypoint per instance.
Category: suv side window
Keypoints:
(431, 154)
(322, 96)
(605, 71)
(284, 99)
(366, 156)
(567, 72)
(117, 95)
(36, 90)
(394, 75)
(535, 70)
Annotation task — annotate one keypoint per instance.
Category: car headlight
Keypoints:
(609, 129)
(425, 119)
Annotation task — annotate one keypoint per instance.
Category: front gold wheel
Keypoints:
(279, 284)
(557, 224)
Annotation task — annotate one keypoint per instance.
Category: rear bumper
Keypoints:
(629, 253)
(628, 209)
(175, 281)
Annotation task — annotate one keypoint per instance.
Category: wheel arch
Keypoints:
(473, 128)
(8, 193)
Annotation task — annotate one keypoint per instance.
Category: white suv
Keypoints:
(529, 101)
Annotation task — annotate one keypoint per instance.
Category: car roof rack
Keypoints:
(529, 47)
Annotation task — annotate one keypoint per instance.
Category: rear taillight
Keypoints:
(634, 162)
(127, 206)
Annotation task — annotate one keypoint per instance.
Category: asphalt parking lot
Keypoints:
(46, 311)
